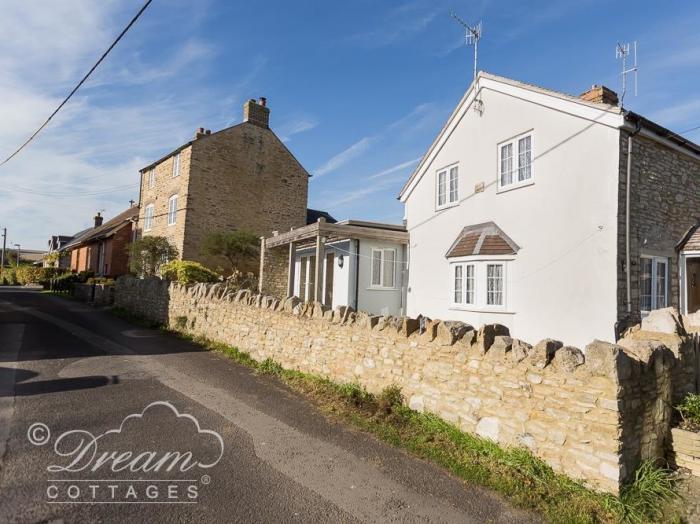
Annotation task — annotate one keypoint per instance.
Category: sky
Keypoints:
(357, 89)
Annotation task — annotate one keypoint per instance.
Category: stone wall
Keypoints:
(274, 271)
(664, 203)
(592, 416)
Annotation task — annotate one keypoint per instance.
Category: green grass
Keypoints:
(523, 479)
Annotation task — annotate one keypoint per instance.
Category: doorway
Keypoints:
(693, 284)
(328, 294)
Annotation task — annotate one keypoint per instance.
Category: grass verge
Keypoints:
(515, 473)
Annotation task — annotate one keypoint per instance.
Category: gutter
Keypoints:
(628, 273)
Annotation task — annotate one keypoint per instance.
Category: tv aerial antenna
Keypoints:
(472, 35)
(622, 51)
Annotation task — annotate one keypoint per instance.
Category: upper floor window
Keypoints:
(515, 162)
(447, 187)
(653, 283)
(172, 210)
(148, 218)
(176, 165)
(383, 267)
(151, 178)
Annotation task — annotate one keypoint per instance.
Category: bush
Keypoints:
(101, 281)
(148, 254)
(9, 277)
(187, 272)
(64, 283)
(690, 410)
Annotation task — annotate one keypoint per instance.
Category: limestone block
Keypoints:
(664, 320)
(448, 332)
(416, 403)
(520, 350)
(568, 358)
(487, 334)
(606, 359)
(488, 427)
(501, 346)
(543, 352)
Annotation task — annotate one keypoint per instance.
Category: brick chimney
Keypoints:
(98, 220)
(600, 95)
(256, 112)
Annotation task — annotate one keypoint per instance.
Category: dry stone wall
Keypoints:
(593, 416)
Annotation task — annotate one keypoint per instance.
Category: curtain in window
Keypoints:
(376, 268)
(388, 268)
(454, 188)
(469, 285)
(645, 284)
(494, 284)
(506, 164)
(524, 158)
(458, 285)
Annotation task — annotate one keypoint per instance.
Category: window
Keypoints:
(307, 278)
(515, 162)
(491, 293)
(383, 268)
(447, 187)
(176, 165)
(494, 284)
(172, 210)
(653, 283)
(148, 218)
(151, 178)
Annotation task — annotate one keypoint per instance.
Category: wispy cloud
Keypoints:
(678, 113)
(401, 23)
(345, 156)
(294, 126)
(394, 169)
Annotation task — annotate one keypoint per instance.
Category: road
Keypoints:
(94, 410)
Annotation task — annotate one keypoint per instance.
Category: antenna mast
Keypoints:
(472, 35)
(622, 51)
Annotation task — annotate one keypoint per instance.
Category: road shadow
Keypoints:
(14, 382)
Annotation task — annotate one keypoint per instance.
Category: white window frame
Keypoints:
(654, 275)
(172, 213)
(151, 178)
(148, 217)
(176, 165)
(514, 142)
(450, 198)
(479, 293)
(382, 275)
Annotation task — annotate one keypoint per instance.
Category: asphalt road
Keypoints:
(104, 421)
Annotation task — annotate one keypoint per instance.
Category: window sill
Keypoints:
(475, 309)
(511, 187)
(447, 206)
(380, 288)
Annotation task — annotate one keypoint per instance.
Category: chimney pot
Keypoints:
(200, 131)
(257, 113)
(98, 220)
(600, 95)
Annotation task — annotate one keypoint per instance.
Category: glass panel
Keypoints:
(469, 295)
(176, 165)
(506, 164)
(660, 284)
(454, 188)
(172, 210)
(302, 278)
(376, 267)
(524, 158)
(388, 268)
(645, 284)
(442, 188)
(458, 285)
(311, 291)
(494, 284)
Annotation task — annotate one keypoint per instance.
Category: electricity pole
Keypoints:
(2, 255)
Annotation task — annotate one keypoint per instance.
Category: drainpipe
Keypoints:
(628, 272)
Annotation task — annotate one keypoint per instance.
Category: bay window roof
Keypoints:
(482, 239)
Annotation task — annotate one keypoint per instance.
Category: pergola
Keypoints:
(319, 234)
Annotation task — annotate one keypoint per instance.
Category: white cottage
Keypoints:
(558, 216)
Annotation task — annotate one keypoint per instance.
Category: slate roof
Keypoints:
(105, 230)
(691, 239)
(482, 239)
(312, 215)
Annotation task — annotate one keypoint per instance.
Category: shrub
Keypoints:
(690, 409)
(148, 254)
(101, 281)
(64, 283)
(240, 248)
(187, 272)
(9, 277)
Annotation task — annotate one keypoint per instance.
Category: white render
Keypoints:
(562, 282)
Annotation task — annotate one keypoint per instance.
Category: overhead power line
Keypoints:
(92, 69)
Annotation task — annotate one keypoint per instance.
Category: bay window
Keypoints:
(479, 284)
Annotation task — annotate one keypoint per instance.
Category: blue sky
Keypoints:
(357, 89)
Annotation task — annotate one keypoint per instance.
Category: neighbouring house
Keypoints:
(104, 248)
(56, 245)
(556, 215)
(240, 178)
(349, 263)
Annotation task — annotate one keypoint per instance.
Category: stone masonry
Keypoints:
(664, 203)
(239, 178)
(592, 416)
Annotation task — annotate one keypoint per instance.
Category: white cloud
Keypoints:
(394, 169)
(292, 127)
(345, 156)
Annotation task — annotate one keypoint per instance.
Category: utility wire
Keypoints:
(104, 55)
(689, 130)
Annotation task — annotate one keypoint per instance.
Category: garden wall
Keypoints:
(592, 417)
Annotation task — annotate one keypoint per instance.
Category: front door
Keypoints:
(693, 283)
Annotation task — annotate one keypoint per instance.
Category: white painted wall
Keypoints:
(563, 281)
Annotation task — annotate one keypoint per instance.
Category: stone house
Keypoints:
(555, 215)
(239, 178)
(104, 248)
